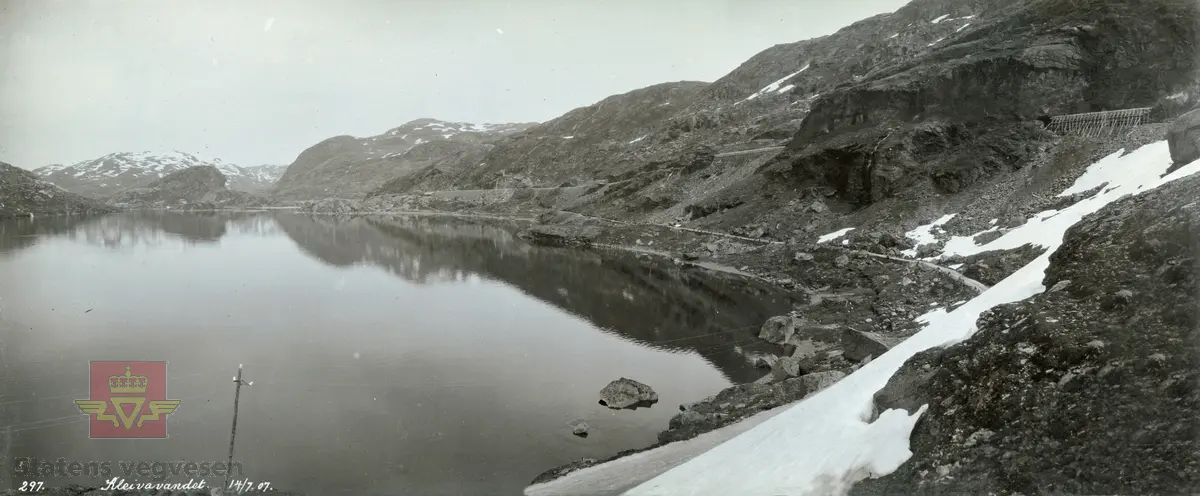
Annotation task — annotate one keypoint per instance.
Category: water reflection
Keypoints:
(23, 232)
(638, 298)
(123, 232)
(643, 299)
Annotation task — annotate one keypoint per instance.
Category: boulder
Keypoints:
(785, 367)
(627, 393)
(1183, 138)
(686, 418)
(858, 345)
(778, 329)
(765, 361)
(817, 381)
(580, 428)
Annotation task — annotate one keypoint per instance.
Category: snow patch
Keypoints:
(960, 28)
(773, 87)
(939, 40)
(924, 234)
(834, 235)
(1125, 175)
(939, 19)
(638, 139)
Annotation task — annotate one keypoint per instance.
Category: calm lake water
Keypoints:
(391, 355)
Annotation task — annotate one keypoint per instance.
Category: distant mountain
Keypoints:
(199, 187)
(349, 167)
(256, 179)
(105, 176)
(22, 194)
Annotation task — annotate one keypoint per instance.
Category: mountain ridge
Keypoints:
(113, 173)
(348, 166)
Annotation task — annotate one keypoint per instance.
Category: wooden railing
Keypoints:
(1099, 124)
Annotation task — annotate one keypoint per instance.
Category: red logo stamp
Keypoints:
(128, 400)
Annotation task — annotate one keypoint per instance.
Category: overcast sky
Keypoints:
(257, 82)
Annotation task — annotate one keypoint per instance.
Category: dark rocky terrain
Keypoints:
(105, 176)
(1091, 389)
(23, 194)
(349, 167)
(194, 188)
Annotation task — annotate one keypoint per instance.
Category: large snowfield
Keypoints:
(824, 444)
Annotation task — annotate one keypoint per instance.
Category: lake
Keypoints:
(389, 355)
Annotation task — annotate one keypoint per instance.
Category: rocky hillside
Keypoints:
(889, 114)
(1090, 388)
(759, 104)
(22, 193)
(105, 176)
(200, 187)
(349, 167)
(577, 147)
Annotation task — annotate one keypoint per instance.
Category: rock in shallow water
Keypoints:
(580, 428)
(785, 367)
(627, 393)
(777, 329)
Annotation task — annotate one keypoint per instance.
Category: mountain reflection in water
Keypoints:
(471, 348)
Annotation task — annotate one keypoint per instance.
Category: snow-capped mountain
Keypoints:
(396, 141)
(116, 172)
(257, 178)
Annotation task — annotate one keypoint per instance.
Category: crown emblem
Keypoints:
(128, 383)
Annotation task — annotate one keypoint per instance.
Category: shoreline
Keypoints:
(764, 261)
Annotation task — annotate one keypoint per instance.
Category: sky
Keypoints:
(258, 82)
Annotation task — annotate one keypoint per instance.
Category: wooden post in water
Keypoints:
(237, 393)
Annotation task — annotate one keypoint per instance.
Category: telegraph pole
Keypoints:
(233, 431)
